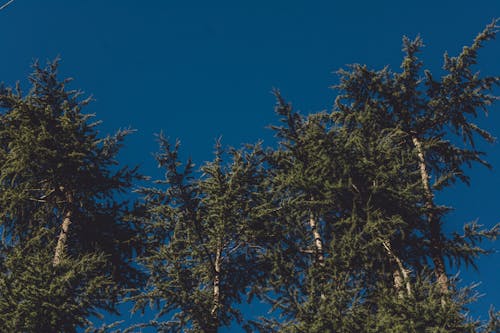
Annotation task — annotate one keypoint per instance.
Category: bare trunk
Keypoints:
(63, 235)
(318, 245)
(318, 242)
(436, 246)
(400, 275)
(216, 292)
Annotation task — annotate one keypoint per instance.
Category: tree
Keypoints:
(202, 253)
(58, 179)
(353, 182)
(337, 227)
(433, 114)
(360, 178)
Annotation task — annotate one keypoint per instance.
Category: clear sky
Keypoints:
(201, 69)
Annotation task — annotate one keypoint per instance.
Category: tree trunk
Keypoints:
(63, 235)
(318, 247)
(216, 283)
(318, 242)
(436, 246)
(400, 275)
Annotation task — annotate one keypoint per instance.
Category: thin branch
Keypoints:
(402, 269)
(5, 5)
(38, 200)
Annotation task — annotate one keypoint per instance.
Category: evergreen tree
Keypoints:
(338, 227)
(202, 254)
(348, 202)
(58, 179)
(355, 196)
(433, 114)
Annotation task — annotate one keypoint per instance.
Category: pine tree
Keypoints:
(59, 179)
(202, 254)
(354, 182)
(434, 115)
(337, 227)
(361, 178)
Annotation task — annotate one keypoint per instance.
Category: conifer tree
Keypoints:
(201, 253)
(369, 165)
(434, 114)
(59, 179)
(338, 227)
(37, 297)
(355, 183)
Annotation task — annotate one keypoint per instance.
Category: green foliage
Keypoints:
(54, 166)
(360, 188)
(37, 297)
(423, 311)
(200, 230)
(437, 112)
(337, 227)
(357, 172)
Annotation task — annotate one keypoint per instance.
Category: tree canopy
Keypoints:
(336, 227)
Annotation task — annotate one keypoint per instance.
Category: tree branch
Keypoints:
(5, 5)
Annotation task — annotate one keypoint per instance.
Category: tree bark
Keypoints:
(63, 235)
(436, 246)
(318, 242)
(318, 246)
(216, 283)
(400, 275)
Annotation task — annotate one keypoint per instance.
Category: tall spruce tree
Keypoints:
(434, 114)
(58, 212)
(356, 197)
(202, 251)
(348, 201)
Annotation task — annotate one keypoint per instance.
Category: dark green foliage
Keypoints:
(358, 173)
(423, 311)
(437, 112)
(200, 230)
(371, 201)
(337, 227)
(54, 166)
(36, 297)
(338, 224)
(50, 150)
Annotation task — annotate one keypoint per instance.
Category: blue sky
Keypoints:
(201, 69)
